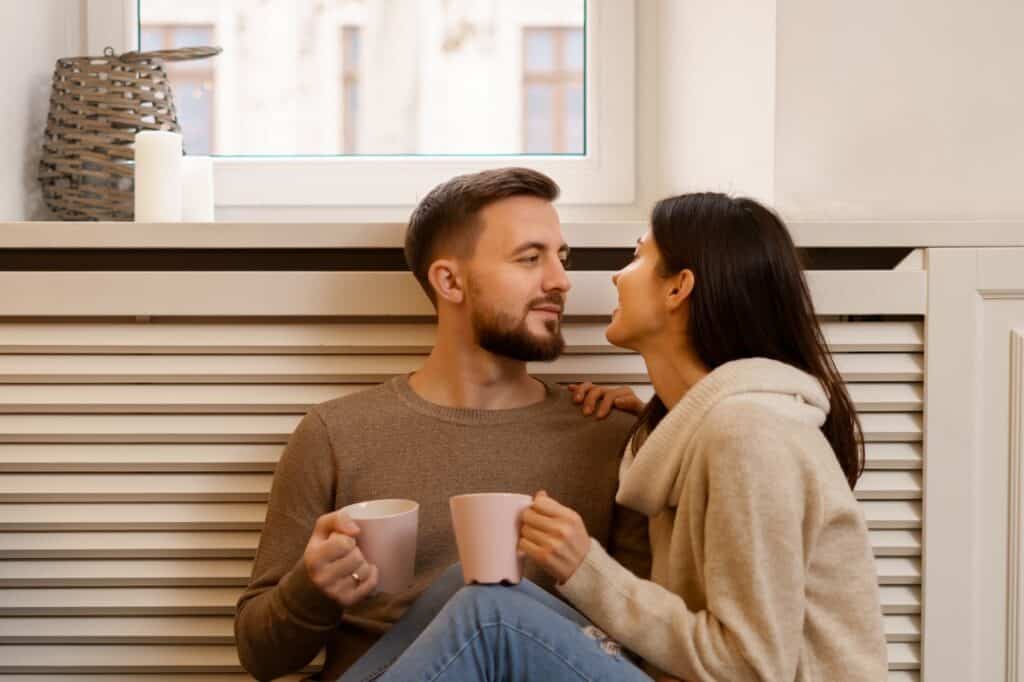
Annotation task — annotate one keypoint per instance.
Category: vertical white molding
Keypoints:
(1015, 572)
(949, 630)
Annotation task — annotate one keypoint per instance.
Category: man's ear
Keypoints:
(681, 286)
(444, 276)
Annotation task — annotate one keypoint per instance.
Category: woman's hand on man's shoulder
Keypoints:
(599, 400)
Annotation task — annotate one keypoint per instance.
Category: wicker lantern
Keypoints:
(97, 104)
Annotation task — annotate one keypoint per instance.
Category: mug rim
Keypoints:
(474, 495)
(415, 506)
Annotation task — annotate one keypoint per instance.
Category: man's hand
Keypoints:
(554, 537)
(603, 398)
(333, 560)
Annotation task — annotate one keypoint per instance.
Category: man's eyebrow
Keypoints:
(540, 246)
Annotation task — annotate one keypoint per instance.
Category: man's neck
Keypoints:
(473, 378)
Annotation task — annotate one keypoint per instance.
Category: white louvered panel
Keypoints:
(365, 369)
(150, 516)
(125, 573)
(129, 545)
(332, 338)
(123, 659)
(119, 630)
(113, 601)
(226, 487)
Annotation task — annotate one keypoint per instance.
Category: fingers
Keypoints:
(548, 506)
(334, 522)
(535, 522)
(579, 391)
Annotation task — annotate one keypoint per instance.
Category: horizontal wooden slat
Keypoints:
(892, 426)
(217, 630)
(148, 428)
(893, 570)
(354, 337)
(123, 659)
(129, 457)
(904, 676)
(893, 455)
(395, 294)
(112, 601)
(150, 516)
(892, 513)
(148, 677)
(900, 599)
(889, 397)
(903, 628)
(241, 487)
(896, 543)
(904, 656)
(129, 545)
(366, 369)
(299, 398)
(889, 485)
(125, 573)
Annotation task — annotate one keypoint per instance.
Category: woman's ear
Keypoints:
(681, 286)
(444, 277)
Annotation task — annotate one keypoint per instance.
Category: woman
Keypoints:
(744, 461)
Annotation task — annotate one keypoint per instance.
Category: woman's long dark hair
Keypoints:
(749, 300)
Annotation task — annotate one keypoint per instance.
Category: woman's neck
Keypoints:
(673, 372)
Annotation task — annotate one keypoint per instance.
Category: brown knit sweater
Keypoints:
(389, 442)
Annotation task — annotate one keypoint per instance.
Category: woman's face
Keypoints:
(642, 313)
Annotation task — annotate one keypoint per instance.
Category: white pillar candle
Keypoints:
(157, 177)
(197, 189)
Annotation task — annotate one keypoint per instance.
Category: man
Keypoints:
(488, 250)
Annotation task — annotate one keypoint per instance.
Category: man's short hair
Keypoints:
(447, 219)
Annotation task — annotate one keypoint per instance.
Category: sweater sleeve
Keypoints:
(282, 620)
(754, 574)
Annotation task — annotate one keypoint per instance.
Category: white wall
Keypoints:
(34, 35)
(902, 110)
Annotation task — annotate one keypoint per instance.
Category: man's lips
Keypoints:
(549, 309)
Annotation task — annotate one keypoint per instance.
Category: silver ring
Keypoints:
(355, 576)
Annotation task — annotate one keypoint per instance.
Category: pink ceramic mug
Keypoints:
(387, 538)
(487, 535)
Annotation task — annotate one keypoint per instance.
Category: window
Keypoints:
(192, 82)
(394, 167)
(553, 90)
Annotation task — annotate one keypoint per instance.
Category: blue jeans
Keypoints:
(457, 632)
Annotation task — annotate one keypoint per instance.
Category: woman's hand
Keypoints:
(603, 398)
(554, 537)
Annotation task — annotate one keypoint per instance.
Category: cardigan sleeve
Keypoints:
(754, 565)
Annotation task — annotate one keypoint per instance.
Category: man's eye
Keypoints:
(529, 259)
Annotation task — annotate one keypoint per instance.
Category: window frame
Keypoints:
(605, 174)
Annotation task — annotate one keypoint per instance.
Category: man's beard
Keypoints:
(500, 334)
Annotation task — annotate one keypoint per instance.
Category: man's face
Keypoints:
(516, 283)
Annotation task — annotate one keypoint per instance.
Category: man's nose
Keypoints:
(558, 278)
